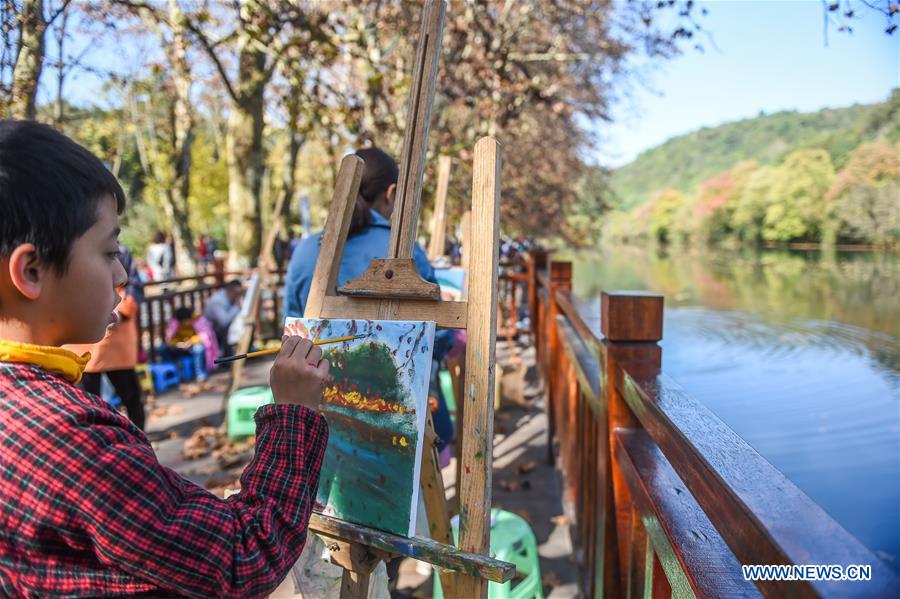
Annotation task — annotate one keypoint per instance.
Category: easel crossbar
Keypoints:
(443, 556)
(448, 315)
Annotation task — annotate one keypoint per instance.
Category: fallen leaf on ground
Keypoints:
(526, 467)
(203, 441)
(234, 453)
(190, 390)
(166, 410)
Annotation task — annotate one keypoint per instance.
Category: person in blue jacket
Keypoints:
(370, 232)
(368, 238)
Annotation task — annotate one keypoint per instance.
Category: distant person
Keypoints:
(116, 355)
(370, 232)
(222, 308)
(194, 336)
(280, 252)
(160, 259)
(210, 258)
(143, 270)
(202, 250)
(170, 241)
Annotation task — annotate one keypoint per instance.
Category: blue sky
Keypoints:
(771, 56)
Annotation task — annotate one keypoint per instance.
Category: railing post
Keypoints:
(537, 262)
(631, 323)
(219, 270)
(560, 278)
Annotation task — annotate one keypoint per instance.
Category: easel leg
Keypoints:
(354, 585)
(358, 562)
(435, 496)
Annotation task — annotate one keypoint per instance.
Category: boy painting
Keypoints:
(86, 509)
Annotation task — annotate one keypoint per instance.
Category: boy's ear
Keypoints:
(390, 193)
(26, 271)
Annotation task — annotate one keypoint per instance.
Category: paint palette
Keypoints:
(375, 404)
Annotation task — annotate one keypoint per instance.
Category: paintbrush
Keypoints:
(275, 350)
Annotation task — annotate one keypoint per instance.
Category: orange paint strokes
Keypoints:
(356, 400)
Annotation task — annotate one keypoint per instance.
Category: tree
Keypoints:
(583, 224)
(263, 31)
(664, 210)
(752, 203)
(797, 210)
(29, 60)
(163, 117)
(716, 202)
(864, 200)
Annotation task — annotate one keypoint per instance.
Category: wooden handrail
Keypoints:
(763, 516)
(673, 519)
(665, 498)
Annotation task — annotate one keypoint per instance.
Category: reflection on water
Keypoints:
(799, 353)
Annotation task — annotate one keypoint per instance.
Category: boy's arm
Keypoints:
(147, 520)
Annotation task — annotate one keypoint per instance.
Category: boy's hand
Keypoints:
(299, 373)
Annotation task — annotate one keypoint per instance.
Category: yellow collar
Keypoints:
(52, 359)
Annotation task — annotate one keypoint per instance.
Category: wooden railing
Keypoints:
(664, 498)
(162, 298)
(512, 293)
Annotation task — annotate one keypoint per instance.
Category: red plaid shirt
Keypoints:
(86, 509)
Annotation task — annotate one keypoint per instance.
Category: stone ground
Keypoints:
(179, 422)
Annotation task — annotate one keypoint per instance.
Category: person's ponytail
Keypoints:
(362, 216)
(379, 174)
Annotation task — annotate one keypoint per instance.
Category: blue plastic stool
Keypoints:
(511, 541)
(186, 368)
(165, 376)
(242, 406)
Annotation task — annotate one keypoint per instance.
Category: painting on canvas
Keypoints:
(375, 404)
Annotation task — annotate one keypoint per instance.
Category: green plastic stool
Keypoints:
(447, 389)
(511, 541)
(242, 405)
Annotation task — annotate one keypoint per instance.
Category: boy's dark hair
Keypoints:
(234, 284)
(49, 190)
(183, 313)
(379, 173)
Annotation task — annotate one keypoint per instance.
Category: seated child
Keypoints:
(86, 509)
(190, 336)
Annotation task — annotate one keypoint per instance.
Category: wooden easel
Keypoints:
(391, 289)
(438, 220)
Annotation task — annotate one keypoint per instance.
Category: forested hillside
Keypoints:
(683, 162)
(829, 176)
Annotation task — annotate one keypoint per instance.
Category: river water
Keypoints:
(798, 352)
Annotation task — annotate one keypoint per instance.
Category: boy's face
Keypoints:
(79, 305)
